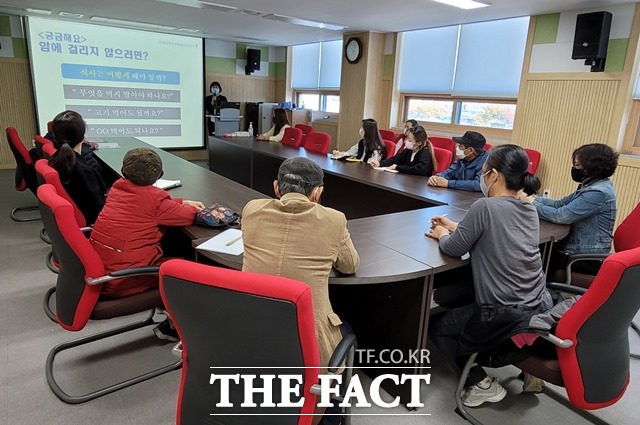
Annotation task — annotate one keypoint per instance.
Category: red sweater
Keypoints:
(127, 232)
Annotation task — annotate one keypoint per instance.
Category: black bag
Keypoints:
(218, 216)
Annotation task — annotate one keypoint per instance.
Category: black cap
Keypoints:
(471, 139)
(301, 171)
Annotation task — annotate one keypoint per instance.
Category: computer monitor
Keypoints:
(232, 105)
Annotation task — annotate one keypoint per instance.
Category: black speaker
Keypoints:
(253, 59)
(592, 35)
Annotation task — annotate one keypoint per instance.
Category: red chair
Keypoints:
(391, 147)
(25, 177)
(40, 143)
(443, 143)
(444, 157)
(231, 319)
(534, 160)
(318, 142)
(292, 137)
(388, 135)
(487, 147)
(306, 129)
(591, 339)
(78, 286)
(47, 174)
(48, 151)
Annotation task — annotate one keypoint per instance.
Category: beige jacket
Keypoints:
(299, 239)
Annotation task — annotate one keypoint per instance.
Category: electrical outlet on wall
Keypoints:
(546, 193)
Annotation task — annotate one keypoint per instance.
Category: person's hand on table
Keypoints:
(337, 153)
(440, 220)
(522, 195)
(197, 204)
(437, 232)
(438, 181)
(261, 137)
(94, 145)
(392, 166)
(374, 163)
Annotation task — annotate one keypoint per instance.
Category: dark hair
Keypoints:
(215, 83)
(68, 128)
(420, 134)
(598, 160)
(279, 119)
(291, 183)
(414, 123)
(372, 138)
(142, 166)
(513, 163)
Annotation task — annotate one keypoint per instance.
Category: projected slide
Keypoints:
(125, 83)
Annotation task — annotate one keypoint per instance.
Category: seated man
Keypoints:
(296, 237)
(464, 174)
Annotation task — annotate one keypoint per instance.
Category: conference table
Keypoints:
(387, 301)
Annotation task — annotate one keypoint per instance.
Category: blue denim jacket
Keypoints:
(591, 212)
(465, 175)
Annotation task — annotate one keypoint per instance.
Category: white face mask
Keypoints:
(215, 90)
(408, 145)
(459, 153)
(362, 133)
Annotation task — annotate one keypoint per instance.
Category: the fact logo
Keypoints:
(290, 386)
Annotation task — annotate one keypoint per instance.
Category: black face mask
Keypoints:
(577, 175)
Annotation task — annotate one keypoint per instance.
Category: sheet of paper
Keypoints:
(227, 242)
(108, 145)
(389, 170)
(167, 184)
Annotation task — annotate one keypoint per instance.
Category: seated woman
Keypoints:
(501, 232)
(134, 219)
(280, 124)
(590, 210)
(87, 147)
(417, 157)
(407, 125)
(370, 147)
(82, 182)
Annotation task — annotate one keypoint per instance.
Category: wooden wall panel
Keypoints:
(557, 116)
(385, 103)
(626, 181)
(17, 108)
(329, 127)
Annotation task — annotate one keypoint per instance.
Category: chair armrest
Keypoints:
(566, 288)
(119, 274)
(576, 258)
(562, 343)
(340, 353)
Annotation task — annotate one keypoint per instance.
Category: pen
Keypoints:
(231, 242)
(444, 215)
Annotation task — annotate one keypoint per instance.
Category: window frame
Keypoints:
(631, 140)
(454, 127)
(322, 93)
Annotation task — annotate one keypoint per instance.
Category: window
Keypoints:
(319, 101)
(631, 141)
(466, 75)
(317, 65)
(460, 111)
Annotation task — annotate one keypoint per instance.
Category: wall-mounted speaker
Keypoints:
(253, 59)
(591, 39)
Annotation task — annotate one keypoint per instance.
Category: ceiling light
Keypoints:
(38, 11)
(131, 23)
(465, 4)
(305, 22)
(249, 12)
(71, 15)
(216, 6)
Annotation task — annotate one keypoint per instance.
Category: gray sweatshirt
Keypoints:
(502, 234)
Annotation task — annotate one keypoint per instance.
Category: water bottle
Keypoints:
(250, 129)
